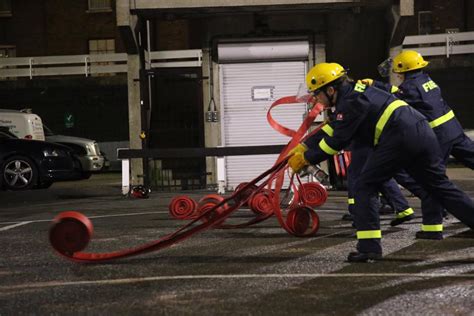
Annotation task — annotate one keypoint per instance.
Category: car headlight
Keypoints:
(54, 153)
(90, 150)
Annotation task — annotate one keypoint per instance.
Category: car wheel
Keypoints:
(19, 173)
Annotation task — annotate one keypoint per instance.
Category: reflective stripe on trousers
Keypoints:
(369, 234)
(432, 228)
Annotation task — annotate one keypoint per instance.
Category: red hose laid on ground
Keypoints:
(72, 231)
(183, 207)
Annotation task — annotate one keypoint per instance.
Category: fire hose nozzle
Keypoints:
(315, 171)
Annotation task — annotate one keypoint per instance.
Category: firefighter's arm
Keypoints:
(380, 85)
(348, 120)
(298, 160)
(326, 130)
(344, 130)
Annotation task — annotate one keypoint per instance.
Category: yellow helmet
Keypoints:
(322, 74)
(407, 61)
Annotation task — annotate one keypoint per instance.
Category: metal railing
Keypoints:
(94, 64)
(174, 58)
(441, 44)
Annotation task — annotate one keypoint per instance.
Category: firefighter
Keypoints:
(422, 93)
(401, 138)
(359, 152)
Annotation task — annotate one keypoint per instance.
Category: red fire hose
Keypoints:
(71, 231)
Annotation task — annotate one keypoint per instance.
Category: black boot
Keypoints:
(429, 235)
(363, 256)
(397, 221)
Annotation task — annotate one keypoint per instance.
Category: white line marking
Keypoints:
(98, 216)
(232, 276)
(13, 226)
(126, 214)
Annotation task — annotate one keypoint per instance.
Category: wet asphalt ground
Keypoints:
(260, 270)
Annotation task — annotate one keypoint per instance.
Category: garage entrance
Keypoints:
(248, 88)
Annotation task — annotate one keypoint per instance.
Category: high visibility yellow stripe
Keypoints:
(384, 118)
(442, 119)
(326, 148)
(369, 234)
(328, 130)
(432, 228)
(405, 213)
(350, 201)
(394, 89)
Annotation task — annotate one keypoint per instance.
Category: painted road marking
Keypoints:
(128, 214)
(233, 276)
(13, 226)
(98, 216)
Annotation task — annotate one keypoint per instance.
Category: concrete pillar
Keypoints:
(126, 23)
(134, 117)
(212, 130)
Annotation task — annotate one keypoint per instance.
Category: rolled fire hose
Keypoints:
(72, 231)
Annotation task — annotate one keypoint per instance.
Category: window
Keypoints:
(100, 5)
(102, 46)
(425, 22)
(5, 7)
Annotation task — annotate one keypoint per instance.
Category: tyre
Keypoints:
(19, 173)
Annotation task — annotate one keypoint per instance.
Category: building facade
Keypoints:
(171, 103)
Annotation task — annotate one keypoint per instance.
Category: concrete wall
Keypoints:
(356, 40)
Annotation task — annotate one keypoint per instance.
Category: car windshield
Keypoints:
(47, 131)
(6, 135)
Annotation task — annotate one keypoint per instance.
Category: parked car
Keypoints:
(23, 125)
(87, 150)
(31, 164)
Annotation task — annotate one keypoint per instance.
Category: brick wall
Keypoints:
(56, 27)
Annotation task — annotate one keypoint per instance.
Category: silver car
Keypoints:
(87, 150)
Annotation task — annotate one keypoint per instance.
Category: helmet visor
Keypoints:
(385, 67)
(303, 95)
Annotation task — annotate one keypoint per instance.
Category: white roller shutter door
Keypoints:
(247, 91)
